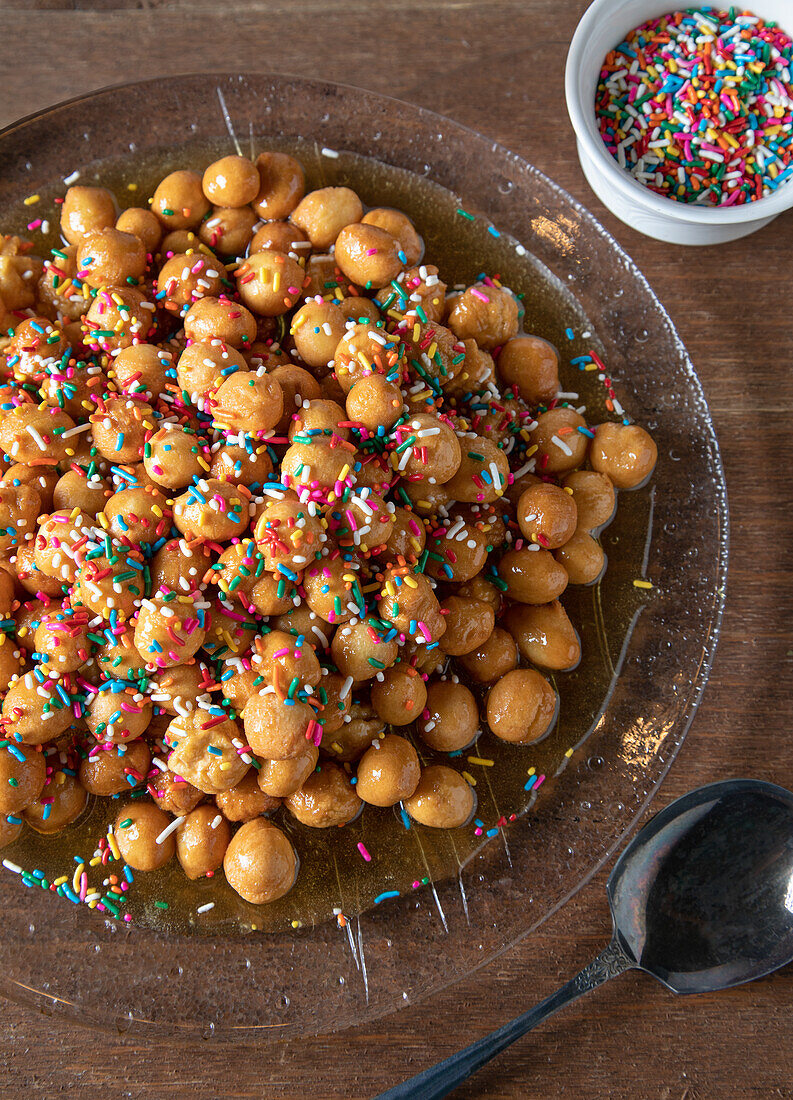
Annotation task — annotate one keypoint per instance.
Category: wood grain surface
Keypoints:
(497, 66)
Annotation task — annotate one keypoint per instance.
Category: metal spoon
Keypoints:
(702, 899)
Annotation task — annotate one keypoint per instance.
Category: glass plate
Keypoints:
(171, 971)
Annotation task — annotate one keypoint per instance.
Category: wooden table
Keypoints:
(496, 65)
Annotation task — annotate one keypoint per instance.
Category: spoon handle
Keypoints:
(439, 1080)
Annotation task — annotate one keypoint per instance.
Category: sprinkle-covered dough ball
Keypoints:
(137, 831)
(442, 799)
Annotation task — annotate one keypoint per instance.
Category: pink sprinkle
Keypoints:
(478, 294)
(35, 224)
(364, 852)
(423, 628)
(369, 251)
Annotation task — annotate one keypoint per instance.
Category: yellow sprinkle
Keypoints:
(642, 584)
(569, 753)
(411, 582)
(296, 924)
(224, 767)
(480, 760)
(60, 881)
(276, 280)
(31, 200)
(469, 779)
(113, 846)
(531, 771)
(132, 187)
(416, 332)
(104, 521)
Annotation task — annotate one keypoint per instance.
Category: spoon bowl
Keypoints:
(702, 899)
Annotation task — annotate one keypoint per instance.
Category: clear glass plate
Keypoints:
(461, 898)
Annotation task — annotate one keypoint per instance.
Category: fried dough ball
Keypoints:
(434, 453)
(278, 779)
(400, 227)
(281, 185)
(594, 496)
(374, 402)
(177, 689)
(118, 317)
(174, 794)
(19, 510)
(626, 453)
(34, 712)
(521, 706)
(249, 465)
(284, 658)
(216, 319)
(353, 737)
(274, 729)
(483, 472)
(450, 719)
(85, 210)
(493, 659)
(211, 509)
(118, 716)
(137, 831)
(287, 534)
(409, 602)
(317, 328)
(113, 769)
(545, 635)
(172, 457)
(388, 772)
(560, 446)
(260, 863)
(367, 255)
(442, 799)
(248, 402)
(399, 697)
(75, 488)
(202, 367)
(322, 214)
(186, 278)
(141, 369)
(532, 575)
(231, 181)
(531, 366)
(143, 224)
(34, 435)
(469, 623)
(202, 840)
(62, 637)
(167, 632)
(547, 515)
(62, 801)
(191, 737)
(22, 775)
(280, 236)
(582, 558)
(485, 313)
(247, 800)
(110, 257)
(326, 799)
(270, 283)
(179, 201)
(361, 651)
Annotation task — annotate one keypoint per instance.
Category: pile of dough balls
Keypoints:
(286, 520)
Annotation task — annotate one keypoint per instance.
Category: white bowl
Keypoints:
(603, 25)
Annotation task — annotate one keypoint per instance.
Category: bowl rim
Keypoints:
(630, 190)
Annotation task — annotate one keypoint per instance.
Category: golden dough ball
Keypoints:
(77, 490)
(270, 283)
(361, 728)
(138, 832)
(247, 800)
(315, 463)
(273, 594)
(547, 515)
(10, 829)
(374, 402)
(364, 517)
(483, 472)
(201, 367)
(363, 350)
(20, 506)
(434, 453)
(176, 690)
(187, 278)
(363, 650)
(278, 779)
(334, 696)
(31, 578)
(143, 224)
(408, 601)
(288, 535)
(110, 257)
(317, 327)
(118, 716)
(202, 840)
(228, 229)
(399, 696)
(595, 499)
(22, 775)
(298, 386)
(561, 447)
(241, 566)
(141, 369)
(284, 659)
(248, 402)
(545, 635)
(111, 769)
(367, 255)
(60, 544)
(458, 551)
(174, 794)
(137, 515)
(97, 585)
(521, 706)
(406, 537)
(531, 366)
(42, 479)
(388, 772)
(626, 453)
(260, 863)
(191, 737)
(281, 185)
(119, 428)
(532, 576)
(324, 213)
(36, 345)
(168, 633)
(61, 802)
(442, 799)
(27, 617)
(241, 465)
(84, 210)
(469, 623)
(493, 659)
(421, 296)
(329, 586)
(300, 619)
(359, 310)
(485, 313)
(327, 799)
(179, 241)
(475, 373)
(231, 181)
(118, 317)
(211, 509)
(400, 227)
(62, 636)
(280, 236)
(582, 558)
(33, 435)
(450, 719)
(33, 712)
(218, 319)
(276, 730)
(179, 201)
(173, 456)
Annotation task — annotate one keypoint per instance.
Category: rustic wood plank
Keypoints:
(497, 67)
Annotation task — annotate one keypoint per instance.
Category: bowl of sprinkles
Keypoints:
(684, 124)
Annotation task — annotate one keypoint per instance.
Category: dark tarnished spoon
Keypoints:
(702, 899)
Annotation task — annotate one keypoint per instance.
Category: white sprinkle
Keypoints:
(205, 908)
(177, 821)
(326, 152)
(9, 866)
(561, 445)
(69, 180)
